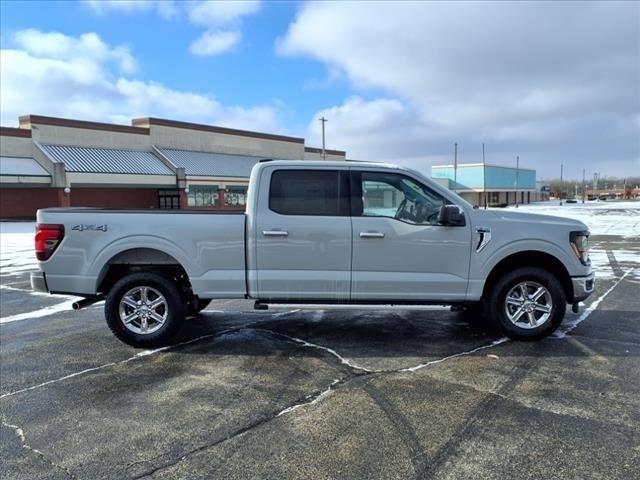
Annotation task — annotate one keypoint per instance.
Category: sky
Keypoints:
(551, 82)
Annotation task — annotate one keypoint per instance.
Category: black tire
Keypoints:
(173, 306)
(498, 295)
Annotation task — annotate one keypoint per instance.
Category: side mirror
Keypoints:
(451, 215)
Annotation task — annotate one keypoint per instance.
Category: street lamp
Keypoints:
(517, 175)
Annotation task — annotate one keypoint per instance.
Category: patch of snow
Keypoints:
(137, 356)
(313, 399)
(304, 343)
(600, 264)
(602, 218)
(17, 248)
(455, 355)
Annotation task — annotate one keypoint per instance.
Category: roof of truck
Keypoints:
(331, 163)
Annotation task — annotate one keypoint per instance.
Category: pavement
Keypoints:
(324, 394)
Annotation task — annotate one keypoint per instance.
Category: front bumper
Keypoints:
(39, 282)
(583, 287)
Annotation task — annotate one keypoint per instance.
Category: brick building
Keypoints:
(154, 163)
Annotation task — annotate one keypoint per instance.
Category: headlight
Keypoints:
(580, 246)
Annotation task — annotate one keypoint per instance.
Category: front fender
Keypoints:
(486, 264)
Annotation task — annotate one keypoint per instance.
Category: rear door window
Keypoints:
(310, 192)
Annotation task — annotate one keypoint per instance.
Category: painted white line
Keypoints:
(36, 293)
(566, 328)
(461, 354)
(43, 312)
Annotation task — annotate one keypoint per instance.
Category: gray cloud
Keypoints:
(551, 81)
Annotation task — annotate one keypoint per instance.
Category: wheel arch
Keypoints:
(530, 258)
(136, 259)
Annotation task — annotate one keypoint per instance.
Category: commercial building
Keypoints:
(153, 163)
(499, 185)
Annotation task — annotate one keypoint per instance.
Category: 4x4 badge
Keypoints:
(94, 228)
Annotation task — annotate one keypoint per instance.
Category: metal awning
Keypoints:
(211, 164)
(107, 160)
(21, 167)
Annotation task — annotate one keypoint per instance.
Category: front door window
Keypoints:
(397, 196)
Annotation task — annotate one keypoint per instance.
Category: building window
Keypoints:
(168, 199)
(235, 195)
(495, 197)
(203, 196)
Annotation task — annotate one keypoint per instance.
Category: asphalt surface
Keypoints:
(325, 394)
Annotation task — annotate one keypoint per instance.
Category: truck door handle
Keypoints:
(371, 235)
(275, 233)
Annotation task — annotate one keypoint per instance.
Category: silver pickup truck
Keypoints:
(317, 235)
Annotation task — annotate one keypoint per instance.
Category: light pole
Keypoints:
(583, 186)
(455, 166)
(517, 175)
(484, 177)
(561, 172)
(323, 121)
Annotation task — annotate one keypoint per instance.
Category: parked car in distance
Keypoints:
(317, 233)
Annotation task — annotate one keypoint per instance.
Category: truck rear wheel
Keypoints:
(527, 304)
(144, 310)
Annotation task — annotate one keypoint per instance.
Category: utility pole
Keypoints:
(583, 186)
(484, 177)
(323, 121)
(561, 172)
(455, 167)
(517, 175)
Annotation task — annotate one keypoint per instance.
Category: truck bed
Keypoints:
(210, 246)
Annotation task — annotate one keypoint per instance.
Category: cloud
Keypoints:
(165, 8)
(223, 21)
(84, 77)
(214, 42)
(541, 78)
(216, 14)
(54, 45)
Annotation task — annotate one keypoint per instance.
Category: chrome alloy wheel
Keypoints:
(528, 305)
(143, 310)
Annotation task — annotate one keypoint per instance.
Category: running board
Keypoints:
(346, 306)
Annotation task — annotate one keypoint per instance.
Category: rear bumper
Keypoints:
(39, 282)
(583, 287)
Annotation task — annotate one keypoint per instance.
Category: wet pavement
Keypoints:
(323, 394)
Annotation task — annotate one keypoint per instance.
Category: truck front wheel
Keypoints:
(527, 303)
(144, 310)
